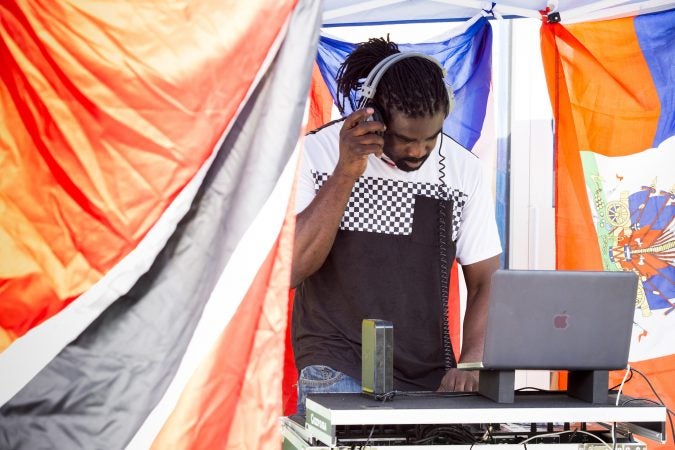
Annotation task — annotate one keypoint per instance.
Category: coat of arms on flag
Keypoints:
(632, 200)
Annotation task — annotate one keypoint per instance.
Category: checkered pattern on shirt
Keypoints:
(387, 206)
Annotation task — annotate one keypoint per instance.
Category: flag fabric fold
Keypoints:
(467, 58)
(610, 85)
(168, 344)
(107, 114)
(105, 137)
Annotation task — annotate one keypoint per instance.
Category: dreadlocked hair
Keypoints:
(412, 86)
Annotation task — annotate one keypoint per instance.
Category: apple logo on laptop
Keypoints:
(560, 320)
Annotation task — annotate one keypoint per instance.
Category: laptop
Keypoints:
(558, 320)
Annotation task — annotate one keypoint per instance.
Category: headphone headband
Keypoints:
(369, 86)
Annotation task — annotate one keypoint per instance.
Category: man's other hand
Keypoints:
(456, 380)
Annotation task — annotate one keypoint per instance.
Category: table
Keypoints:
(352, 420)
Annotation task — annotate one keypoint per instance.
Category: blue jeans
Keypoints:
(320, 379)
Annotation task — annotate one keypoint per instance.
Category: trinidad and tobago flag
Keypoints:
(147, 157)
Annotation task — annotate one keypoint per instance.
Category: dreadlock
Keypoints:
(412, 86)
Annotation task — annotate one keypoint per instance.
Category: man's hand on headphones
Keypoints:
(358, 139)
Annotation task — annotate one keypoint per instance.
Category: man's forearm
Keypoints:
(478, 277)
(475, 321)
(316, 226)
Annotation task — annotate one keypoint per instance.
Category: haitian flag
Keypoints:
(147, 157)
(611, 88)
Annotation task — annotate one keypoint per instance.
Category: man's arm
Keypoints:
(477, 277)
(316, 226)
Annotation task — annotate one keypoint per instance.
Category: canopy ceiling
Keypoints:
(375, 12)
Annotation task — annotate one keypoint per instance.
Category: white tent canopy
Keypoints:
(377, 12)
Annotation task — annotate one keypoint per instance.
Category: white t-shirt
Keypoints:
(376, 207)
(398, 234)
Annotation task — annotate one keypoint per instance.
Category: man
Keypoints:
(384, 207)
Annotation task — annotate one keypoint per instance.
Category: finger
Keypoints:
(367, 149)
(367, 139)
(358, 116)
(449, 384)
(369, 143)
(470, 383)
(474, 381)
(443, 388)
(368, 128)
(462, 385)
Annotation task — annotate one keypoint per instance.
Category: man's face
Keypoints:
(408, 141)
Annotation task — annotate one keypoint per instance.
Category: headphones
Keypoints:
(369, 86)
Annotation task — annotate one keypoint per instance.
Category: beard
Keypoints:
(402, 163)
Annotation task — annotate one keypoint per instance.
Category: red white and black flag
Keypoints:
(147, 155)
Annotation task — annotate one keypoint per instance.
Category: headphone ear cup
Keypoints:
(377, 115)
(451, 100)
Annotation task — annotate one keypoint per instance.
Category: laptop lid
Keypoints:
(558, 320)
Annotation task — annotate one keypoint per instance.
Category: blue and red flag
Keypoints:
(467, 59)
(613, 97)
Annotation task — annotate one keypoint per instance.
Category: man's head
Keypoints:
(411, 97)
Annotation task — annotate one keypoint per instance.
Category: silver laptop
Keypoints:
(558, 320)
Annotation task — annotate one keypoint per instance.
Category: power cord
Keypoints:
(391, 394)
(630, 377)
(618, 396)
(623, 382)
(369, 437)
(384, 397)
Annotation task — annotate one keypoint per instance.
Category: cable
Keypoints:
(448, 354)
(532, 388)
(488, 435)
(654, 402)
(574, 433)
(618, 396)
(447, 434)
(436, 394)
(384, 397)
(559, 433)
(369, 436)
(630, 377)
(625, 375)
(650, 385)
